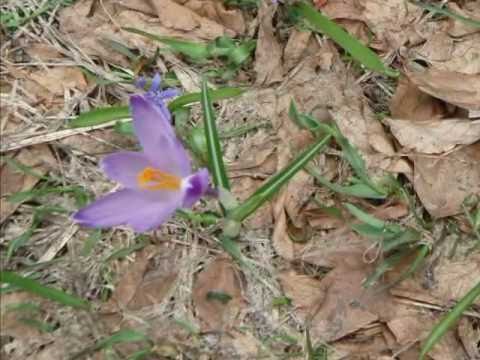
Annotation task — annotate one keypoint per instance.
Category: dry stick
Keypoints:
(40, 139)
(472, 314)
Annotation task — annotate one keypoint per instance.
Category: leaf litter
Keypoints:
(179, 288)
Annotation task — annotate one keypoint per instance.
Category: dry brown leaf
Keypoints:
(11, 326)
(469, 335)
(391, 22)
(306, 291)
(268, 53)
(99, 142)
(443, 182)
(409, 102)
(40, 159)
(361, 347)
(139, 287)
(434, 136)
(340, 307)
(453, 87)
(451, 281)
(470, 9)
(449, 54)
(194, 20)
(245, 344)
(215, 10)
(220, 276)
(43, 52)
(58, 79)
(296, 45)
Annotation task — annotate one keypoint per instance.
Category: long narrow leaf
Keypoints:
(355, 48)
(273, 185)
(214, 148)
(100, 116)
(357, 190)
(47, 292)
(449, 320)
(103, 115)
(439, 10)
(217, 94)
(196, 51)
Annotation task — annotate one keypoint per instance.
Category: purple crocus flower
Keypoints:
(156, 181)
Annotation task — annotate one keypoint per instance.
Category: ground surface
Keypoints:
(303, 294)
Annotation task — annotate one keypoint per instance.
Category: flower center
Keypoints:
(153, 179)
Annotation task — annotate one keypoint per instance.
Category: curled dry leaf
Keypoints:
(193, 20)
(434, 136)
(450, 54)
(469, 335)
(341, 306)
(470, 9)
(453, 87)
(140, 286)
(296, 45)
(220, 312)
(58, 79)
(391, 22)
(443, 182)
(268, 54)
(452, 279)
(39, 159)
(409, 102)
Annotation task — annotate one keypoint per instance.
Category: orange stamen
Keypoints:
(153, 179)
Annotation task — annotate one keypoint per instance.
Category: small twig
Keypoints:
(45, 138)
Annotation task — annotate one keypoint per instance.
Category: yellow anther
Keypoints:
(153, 179)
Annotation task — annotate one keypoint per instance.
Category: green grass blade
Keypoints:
(449, 320)
(438, 10)
(357, 190)
(386, 265)
(364, 217)
(273, 185)
(100, 116)
(214, 148)
(351, 45)
(103, 115)
(36, 288)
(217, 94)
(422, 252)
(196, 51)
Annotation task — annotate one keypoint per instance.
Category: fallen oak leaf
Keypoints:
(217, 295)
(443, 182)
(434, 136)
(453, 87)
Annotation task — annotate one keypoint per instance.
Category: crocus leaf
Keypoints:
(195, 51)
(273, 184)
(103, 115)
(36, 288)
(439, 10)
(214, 149)
(217, 94)
(449, 320)
(422, 252)
(386, 265)
(364, 217)
(355, 48)
(121, 336)
(100, 116)
(358, 190)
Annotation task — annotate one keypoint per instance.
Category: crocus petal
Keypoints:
(128, 207)
(124, 167)
(156, 81)
(196, 186)
(158, 138)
